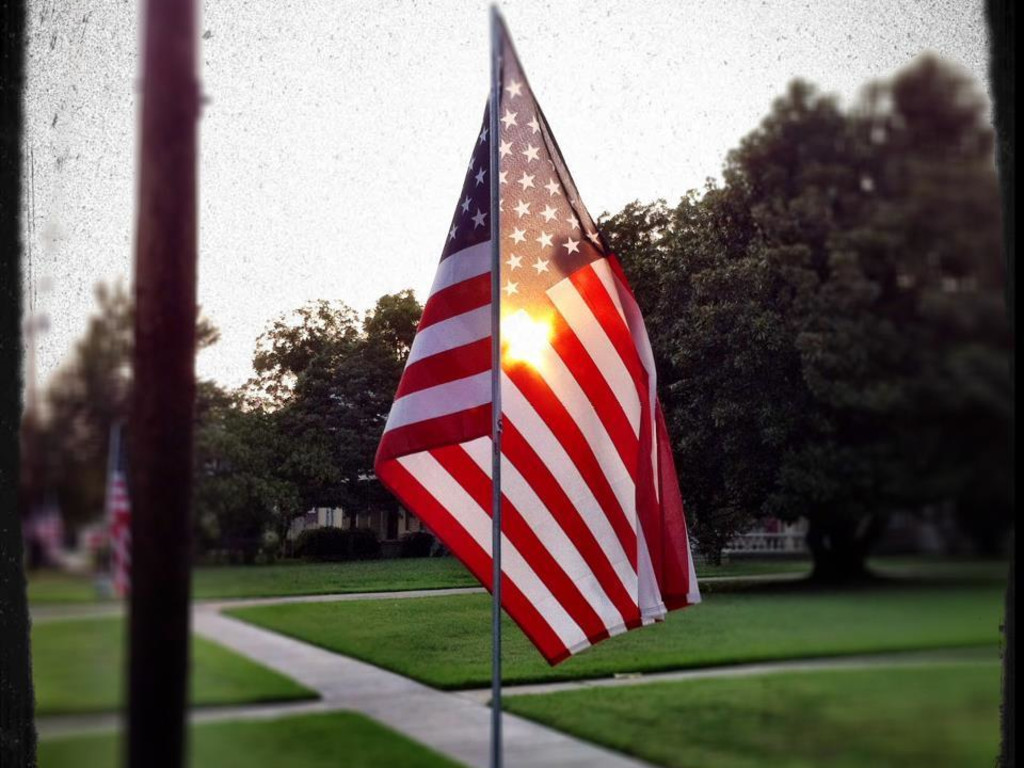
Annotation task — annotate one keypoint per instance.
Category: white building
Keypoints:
(388, 524)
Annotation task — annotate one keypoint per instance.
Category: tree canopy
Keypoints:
(829, 318)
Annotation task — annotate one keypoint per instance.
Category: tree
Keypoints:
(240, 491)
(828, 320)
(86, 397)
(327, 383)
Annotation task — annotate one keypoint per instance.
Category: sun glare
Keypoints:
(524, 339)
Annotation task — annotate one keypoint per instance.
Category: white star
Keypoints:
(594, 238)
(483, 136)
(478, 220)
(514, 89)
(523, 208)
(451, 235)
(519, 235)
(509, 119)
(465, 205)
(511, 288)
(505, 148)
(526, 181)
(551, 187)
(572, 220)
(571, 246)
(471, 161)
(480, 176)
(530, 153)
(502, 177)
(541, 265)
(514, 262)
(548, 213)
(544, 240)
(534, 125)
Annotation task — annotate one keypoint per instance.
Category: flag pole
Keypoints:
(495, 396)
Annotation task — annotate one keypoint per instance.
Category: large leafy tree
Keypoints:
(328, 380)
(829, 318)
(89, 394)
(241, 493)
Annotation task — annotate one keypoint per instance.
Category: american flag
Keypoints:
(47, 528)
(593, 534)
(118, 515)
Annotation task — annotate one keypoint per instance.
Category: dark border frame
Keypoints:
(17, 730)
(1002, 43)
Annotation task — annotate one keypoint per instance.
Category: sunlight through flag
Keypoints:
(593, 537)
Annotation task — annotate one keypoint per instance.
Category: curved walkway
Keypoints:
(456, 724)
(453, 725)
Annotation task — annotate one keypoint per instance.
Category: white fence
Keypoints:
(791, 542)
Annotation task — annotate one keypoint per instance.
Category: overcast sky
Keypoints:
(336, 134)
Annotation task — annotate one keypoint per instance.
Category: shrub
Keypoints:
(363, 544)
(337, 544)
(415, 544)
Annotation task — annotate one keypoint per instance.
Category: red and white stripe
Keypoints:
(593, 536)
(119, 515)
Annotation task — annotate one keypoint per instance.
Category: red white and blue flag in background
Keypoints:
(118, 514)
(46, 528)
(594, 538)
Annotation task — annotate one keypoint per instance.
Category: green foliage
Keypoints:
(829, 320)
(240, 493)
(89, 394)
(327, 385)
(338, 544)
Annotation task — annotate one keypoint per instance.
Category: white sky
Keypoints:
(335, 139)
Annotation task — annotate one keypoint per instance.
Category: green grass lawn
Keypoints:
(307, 741)
(445, 641)
(77, 667)
(886, 718)
(51, 587)
(441, 572)
(280, 579)
(326, 578)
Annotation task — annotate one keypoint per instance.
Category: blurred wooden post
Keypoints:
(160, 435)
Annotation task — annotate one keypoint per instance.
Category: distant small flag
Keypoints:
(118, 514)
(593, 534)
(48, 531)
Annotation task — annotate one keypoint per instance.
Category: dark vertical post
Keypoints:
(17, 734)
(160, 435)
(1002, 74)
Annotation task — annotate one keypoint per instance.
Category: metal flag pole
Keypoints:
(495, 394)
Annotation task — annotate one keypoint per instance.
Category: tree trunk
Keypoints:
(840, 547)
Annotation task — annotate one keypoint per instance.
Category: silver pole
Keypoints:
(495, 395)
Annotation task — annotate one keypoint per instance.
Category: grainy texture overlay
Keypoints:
(334, 135)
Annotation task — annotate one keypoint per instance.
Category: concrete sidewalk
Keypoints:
(985, 655)
(452, 725)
